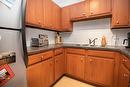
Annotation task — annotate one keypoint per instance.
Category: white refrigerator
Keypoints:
(11, 40)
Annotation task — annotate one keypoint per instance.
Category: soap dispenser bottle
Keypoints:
(103, 42)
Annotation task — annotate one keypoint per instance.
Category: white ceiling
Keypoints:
(63, 3)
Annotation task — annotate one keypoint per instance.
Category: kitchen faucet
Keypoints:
(92, 41)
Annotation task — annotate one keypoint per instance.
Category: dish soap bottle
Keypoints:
(103, 42)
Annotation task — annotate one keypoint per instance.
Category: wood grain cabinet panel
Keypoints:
(100, 7)
(34, 13)
(100, 71)
(47, 7)
(34, 75)
(59, 66)
(47, 72)
(30, 14)
(124, 76)
(121, 13)
(75, 65)
(66, 23)
(56, 16)
(79, 11)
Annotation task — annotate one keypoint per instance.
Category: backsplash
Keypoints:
(35, 32)
(82, 31)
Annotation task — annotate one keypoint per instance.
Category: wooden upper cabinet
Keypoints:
(59, 66)
(79, 10)
(124, 75)
(100, 71)
(75, 65)
(30, 13)
(34, 13)
(100, 7)
(47, 7)
(66, 24)
(34, 75)
(47, 73)
(56, 16)
(121, 14)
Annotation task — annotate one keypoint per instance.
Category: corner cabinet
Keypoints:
(121, 14)
(100, 7)
(66, 23)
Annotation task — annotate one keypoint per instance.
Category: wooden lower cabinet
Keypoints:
(47, 72)
(100, 71)
(34, 75)
(75, 65)
(124, 76)
(59, 66)
(41, 74)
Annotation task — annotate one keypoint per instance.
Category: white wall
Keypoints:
(82, 31)
(32, 32)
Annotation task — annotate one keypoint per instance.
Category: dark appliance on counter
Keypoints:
(128, 40)
(42, 40)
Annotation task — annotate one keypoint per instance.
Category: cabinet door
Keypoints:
(39, 12)
(59, 66)
(120, 13)
(100, 7)
(47, 6)
(30, 14)
(34, 13)
(124, 75)
(65, 19)
(34, 75)
(78, 11)
(56, 17)
(75, 65)
(47, 72)
(100, 70)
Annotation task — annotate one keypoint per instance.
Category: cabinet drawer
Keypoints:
(125, 61)
(76, 51)
(47, 55)
(35, 58)
(58, 51)
(96, 53)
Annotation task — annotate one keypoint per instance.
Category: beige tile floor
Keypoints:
(68, 82)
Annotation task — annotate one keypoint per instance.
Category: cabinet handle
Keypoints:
(117, 22)
(125, 75)
(39, 22)
(124, 60)
(82, 56)
(42, 57)
(83, 13)
(91, 60)
(91, 11)
(81, 59)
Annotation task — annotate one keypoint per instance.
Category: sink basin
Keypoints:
(87, 45)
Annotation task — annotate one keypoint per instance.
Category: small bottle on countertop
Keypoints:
(58, 38)
(103, 42)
